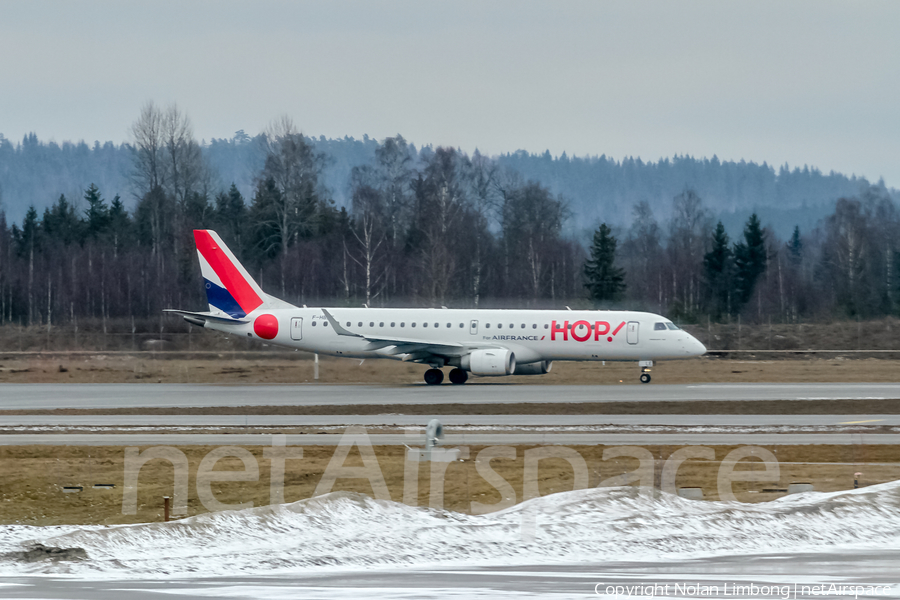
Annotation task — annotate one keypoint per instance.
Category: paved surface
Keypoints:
(545, 581)
(841, 421)
(475, 439)
(49, 396)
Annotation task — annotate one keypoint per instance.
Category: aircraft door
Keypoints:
(473, 327)
(631, 332)
(297, 328)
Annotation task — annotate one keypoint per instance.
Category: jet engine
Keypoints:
(490, 362)
(538, 368)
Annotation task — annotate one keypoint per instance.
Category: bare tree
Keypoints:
(183, 160)
(149, 143)
(642, 255)
(480, 177)
(293, 167)
(183, 169)
(532, 221)
(395, 165)
(368, 229)
(440, 211)
(688, 235)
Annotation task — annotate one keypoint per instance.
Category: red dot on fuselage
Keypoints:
(609, 339)
(266, 326)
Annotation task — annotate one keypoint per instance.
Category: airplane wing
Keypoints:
(416, 348)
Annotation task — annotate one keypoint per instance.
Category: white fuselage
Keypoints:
(533, 335)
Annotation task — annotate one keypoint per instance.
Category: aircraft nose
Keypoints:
(695, 347)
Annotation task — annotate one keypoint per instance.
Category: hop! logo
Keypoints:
(598, 329)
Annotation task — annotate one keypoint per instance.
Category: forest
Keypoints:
(430, 227)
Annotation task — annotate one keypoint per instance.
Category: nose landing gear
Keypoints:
(645, 370)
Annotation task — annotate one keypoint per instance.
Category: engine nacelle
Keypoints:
(490, 362)
(538, 368)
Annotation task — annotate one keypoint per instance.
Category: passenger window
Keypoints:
(487, 325)
(437, 324)
(673, 326)
(314, 323)
(523, 325)
(659, 327)
(392, 324)
(423, 325)
(402, 324)
(546, 326)
(499, 325)
(360, 323)
(324, 323)
(448, 325)
(512, 325)
(413, 324)
(461, 325)
(534, 326)
(348, 323)
(381, 324)
(371, 324)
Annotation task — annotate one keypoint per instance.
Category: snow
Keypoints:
(350, 532)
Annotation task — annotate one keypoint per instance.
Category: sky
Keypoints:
(805, 83)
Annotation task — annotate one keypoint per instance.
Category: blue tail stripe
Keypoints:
(220, 298)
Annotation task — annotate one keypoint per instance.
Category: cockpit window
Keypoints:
(673, 326)
(659, 327)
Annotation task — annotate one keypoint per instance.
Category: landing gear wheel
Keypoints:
(458, 376)
(645, 377)
(434, 376)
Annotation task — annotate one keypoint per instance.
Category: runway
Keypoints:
(394, 420)
(475, 439)
(109, 396)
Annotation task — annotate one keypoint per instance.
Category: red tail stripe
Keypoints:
(231, 278)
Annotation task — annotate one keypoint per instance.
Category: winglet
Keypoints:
(337, 326)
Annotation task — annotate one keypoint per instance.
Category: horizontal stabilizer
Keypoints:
(206, 316)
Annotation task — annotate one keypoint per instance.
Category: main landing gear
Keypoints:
(645, 370)
(458, 376)
(436, 376)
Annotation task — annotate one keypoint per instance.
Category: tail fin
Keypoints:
(229, 288)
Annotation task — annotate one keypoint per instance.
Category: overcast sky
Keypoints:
(813, 83)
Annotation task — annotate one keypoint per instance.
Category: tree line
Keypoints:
(597, 188)
(448, 229)
(691, 269)
(423, 227)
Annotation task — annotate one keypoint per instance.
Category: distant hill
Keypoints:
(597, 188)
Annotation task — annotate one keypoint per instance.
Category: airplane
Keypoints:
(482, 342)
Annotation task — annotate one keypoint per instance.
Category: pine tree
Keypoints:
(718, 272)
(61, 224)
(750, 258)
(231, 217)
(795, 246)
(605, 281)
(119, 225)
(97, 213)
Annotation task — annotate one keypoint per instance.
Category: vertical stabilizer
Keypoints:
(229, 288)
